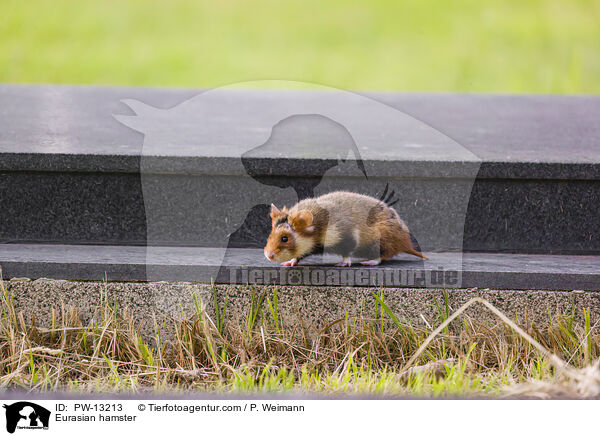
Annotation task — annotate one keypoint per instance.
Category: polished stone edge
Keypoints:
(215, 165)
(200, 274)
(243, 266)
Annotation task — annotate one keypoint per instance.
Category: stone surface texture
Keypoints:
(310, 307)
(241, 266)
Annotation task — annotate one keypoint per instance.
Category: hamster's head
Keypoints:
(289, 236)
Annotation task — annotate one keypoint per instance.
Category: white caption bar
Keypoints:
(298, 417)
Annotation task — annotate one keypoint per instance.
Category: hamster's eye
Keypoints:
(284, 239)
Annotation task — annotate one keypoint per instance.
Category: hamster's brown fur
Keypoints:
(344, 223)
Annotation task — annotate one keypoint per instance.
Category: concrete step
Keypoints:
(480, 173)
(243, 266)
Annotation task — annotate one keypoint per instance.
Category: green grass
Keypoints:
(261, 352)
(468, 45)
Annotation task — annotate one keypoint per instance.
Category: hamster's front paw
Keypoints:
(292, 262)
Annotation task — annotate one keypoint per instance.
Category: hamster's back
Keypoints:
(348, 211)
(349, 203)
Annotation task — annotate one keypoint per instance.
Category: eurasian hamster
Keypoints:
(344, 223)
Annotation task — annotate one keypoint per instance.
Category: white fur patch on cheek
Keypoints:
(282, 256)
(304, 245)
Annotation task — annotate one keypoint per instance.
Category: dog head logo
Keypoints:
(211, 166)
(26, 415)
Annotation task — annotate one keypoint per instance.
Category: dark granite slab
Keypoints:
(471, 172)
(72, 208)
(452, 270)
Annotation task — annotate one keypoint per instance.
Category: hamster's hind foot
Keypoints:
(345, 262)
(371, 262)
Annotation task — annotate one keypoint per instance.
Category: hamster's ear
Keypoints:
(274, 211)
(301, 220)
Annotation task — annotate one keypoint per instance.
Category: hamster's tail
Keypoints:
(416, 248)
(417, 253)
(389, 198)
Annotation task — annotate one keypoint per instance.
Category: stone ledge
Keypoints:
(240, 266)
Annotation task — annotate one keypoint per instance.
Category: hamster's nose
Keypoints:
(269, 254)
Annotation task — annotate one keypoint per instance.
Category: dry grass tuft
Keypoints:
(578, 383)
(374, 354)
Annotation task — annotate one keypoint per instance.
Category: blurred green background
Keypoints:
(523, 46)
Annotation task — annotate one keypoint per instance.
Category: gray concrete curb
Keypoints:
(310, 307)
